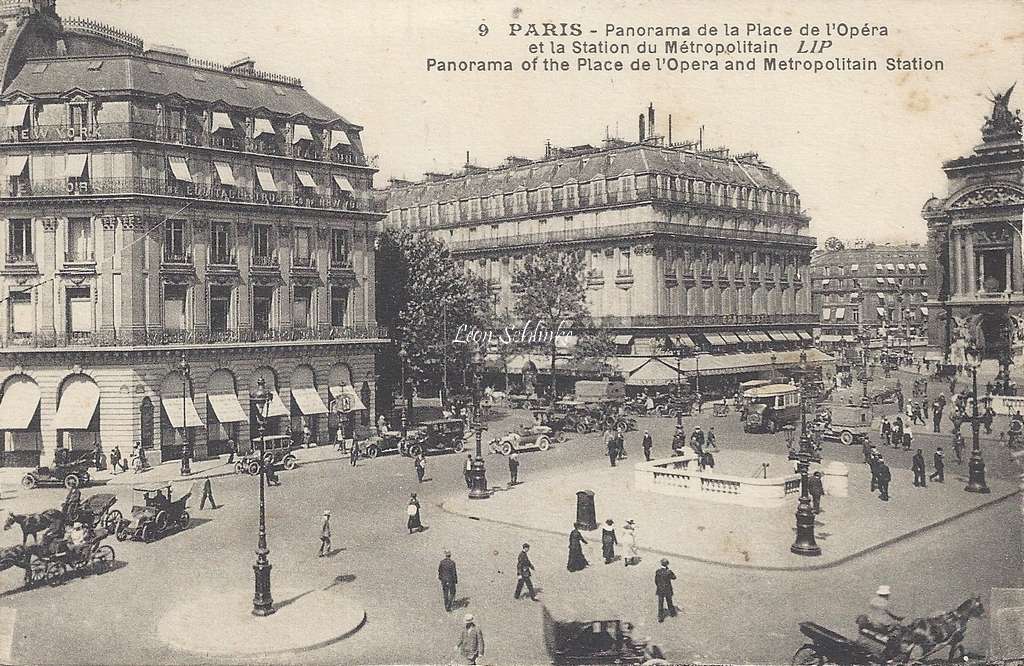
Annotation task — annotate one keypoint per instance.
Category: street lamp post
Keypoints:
(403, 355)
(805, 543)
(186, 375)
(976, 465)
(478, 472)
(262, 601)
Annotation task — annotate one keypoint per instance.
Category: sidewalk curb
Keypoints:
(733, 565)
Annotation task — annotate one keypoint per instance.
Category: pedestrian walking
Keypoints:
(207, 495)
(467, 470)
(577, 561)
(989, 416)
(339, 438)
(711, 442)
(115, 459)
(924, 408)
(420, 462)
(232, 450)
(936, 417)
(97, 457)
(613, 449)
(884, 477)
(707, 460)
(865, 449)
(815, 489)
(186, 464)
(908, 438)
(958, 448)
(915, 413)
(875, 459)
(271, 474)
(524, 573)
(449, 577)
(608, 541)
(471, 642)
(897, 433)
(634, 549)
(885, 430)
(325, 535)
(917, 467)
(939, 463)
(663, 578)
(353, 454)
(412, 511)
(513, 468)
(307, 436)
(648, 444)
(620, 445)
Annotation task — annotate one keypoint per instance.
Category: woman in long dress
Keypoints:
(608, 541)
(413, 511)
(577, 561)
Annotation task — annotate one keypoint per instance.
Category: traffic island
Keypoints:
(303, 620)
(732, 534)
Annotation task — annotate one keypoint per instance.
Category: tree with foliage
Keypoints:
(550, 296)
(596, 345)
(426, 299)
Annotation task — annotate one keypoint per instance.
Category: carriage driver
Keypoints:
(879, 620)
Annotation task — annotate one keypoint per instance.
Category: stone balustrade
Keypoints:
(679, 476)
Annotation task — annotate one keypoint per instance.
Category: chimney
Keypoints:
(641, 128)
(670, 129)
(650, 120)
(467, 158)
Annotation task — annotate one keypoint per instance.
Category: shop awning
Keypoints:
(891, 281)
(222, 121)
(339, 138)
(854, 295)
(224, 172)
(78, 402)
(849, 338)
(266, 179)
(745, 337)
(301, 133)
(829, 338)
(653, 373)
(715, 339)
(263, 126)
(924, 294)
(19, 404)
(758, 336)
(890, 267)
(308, 400)
(343, 183)
(855, 267)
(730, 338)
(16, 114)
(804, 335)
(791, 336)
(684, 340)
(181, 412)
(626, 365)
(924, 311)
(305, 178)
(227, 408)
(880, 311)
(840, 313)
(901, 267)
(347, 400)
(179, 168)
(878, 267)
(777, 336)
(75, 165)
(881, 296)
(16, 165)
(622, 340)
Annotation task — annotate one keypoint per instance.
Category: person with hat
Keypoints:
(524, 572)
(207, 495)
(449, 577)
(648, 444)
(958, 447)
(634, 550)
(879, 619)
(612, 445)
(513, 468)
(815, 489)
(577, 560)
(884, 477)
(325, 535)
(873, 459)
(420, 463)
(471, 643)
(939, 463)
(608, 541)
(918, 468)
(412, 511)
(663, 578)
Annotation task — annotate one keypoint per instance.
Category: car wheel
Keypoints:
(562, 437)
(184, 519)
(28, 481)
(372, 451)
(147, 533)
(543, 443)
(414, 450)
(122, 533)
(239, 467)
(846, 437)
(160, 523)
(71, 482)
(253, 467)
(268, 459)
(506, 448)
(289, 463)
(581, 428)
(460, 446)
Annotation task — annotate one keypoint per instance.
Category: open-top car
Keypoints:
(158, 515)
(436, 436)
(72, 473)
(524, 437)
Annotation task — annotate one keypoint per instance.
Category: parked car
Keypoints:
(71, 474)
(278, 450)
(534, 436)
(437, 436)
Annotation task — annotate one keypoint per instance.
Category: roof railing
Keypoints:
(91, 27)
(212, 66)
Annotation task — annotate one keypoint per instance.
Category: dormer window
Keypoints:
(78, 115)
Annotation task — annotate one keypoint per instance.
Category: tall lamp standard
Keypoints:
(403, 355)
(477, 473)
(186, 375)
(976, 466)
(805, 543)
(262, 601)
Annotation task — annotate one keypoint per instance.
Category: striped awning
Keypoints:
(181, 412)
(715, 339)
(730, 338)
(308, 400)
(684, 340)
(19, 404)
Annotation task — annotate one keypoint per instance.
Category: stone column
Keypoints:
(1017, 264)
(972, 264)
(107, 323)
(243, 299)
(1008, 287)
(322, 313)
(358, 289)
(47, 258)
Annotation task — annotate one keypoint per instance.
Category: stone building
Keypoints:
(974, 241)
(700, 248)
(873, 290)
(156, 207)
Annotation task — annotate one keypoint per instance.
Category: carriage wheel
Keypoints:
(102, 559)
(253, 467)
(160, 523)
(289, 462)
(183, 519)
(112, 520)
(543, 443)
(71, 482)
(55, 573)
(122, 532)
(808, 655)
(37, 570)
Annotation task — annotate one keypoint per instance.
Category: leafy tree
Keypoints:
(551, 295)
(426, 299)
(595, 345)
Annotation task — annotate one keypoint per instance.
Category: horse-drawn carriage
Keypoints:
(95, 512)
(157, 516)
(53, 559)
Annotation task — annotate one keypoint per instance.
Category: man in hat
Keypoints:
(879, 619)
(524, 570)
(471, 643)
(885, 430)
(467, 470)
(958, 447)
(207, 495)
(917, 467)
(648, 444)
(884, 477)
(612, 443)
(325, 535)
(513, 468)
(816, 490)
(449, 577)
(608, 541)
(939, 462)
(663, 578)
(873, 464)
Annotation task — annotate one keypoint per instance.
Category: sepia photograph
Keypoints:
(511, 333)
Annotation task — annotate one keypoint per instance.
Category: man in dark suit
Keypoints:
(663, 578)
(917, 466)
(648, 444)
(816, 490)
(939, 462)
(524, 569)
(884, 477)
(449, 577)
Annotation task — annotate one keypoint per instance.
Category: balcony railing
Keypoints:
(265, 261)
(169, 187)
(651, 321)
(341, 263)
(166, 337)
(177, 258)
(304, 262)
(22, 258)
(190, 136)
(222, 259)
(79, 257)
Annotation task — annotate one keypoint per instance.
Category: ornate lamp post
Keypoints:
(478, 472)
(976, 466)
(804, 543)
(262, 601)
(186, 375)
(403, 355)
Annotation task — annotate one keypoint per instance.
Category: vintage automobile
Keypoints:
(278, 450)
(157, 516)
(591, 642)
(70, 474)
(557, 421)
(437, 436)
(845, 423)
(533, 436)
(771, 407)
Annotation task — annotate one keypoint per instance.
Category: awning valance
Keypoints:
(16, 165)
(339, 138)
(19, 404)
(78, 402)
(308, 401)
(266, 179)
(181, 412)
(224, 172)
(301, 133)
(16, 115)
(222, 121)
(180, 169)
(347, 400)
(227, 407)
(305, 178)
(343, 183)
(261, 127)
(622, 339)
(653, 373)
(75, 165)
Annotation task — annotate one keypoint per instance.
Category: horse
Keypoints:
(32, 523)
(17, 556)
(920, 637)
